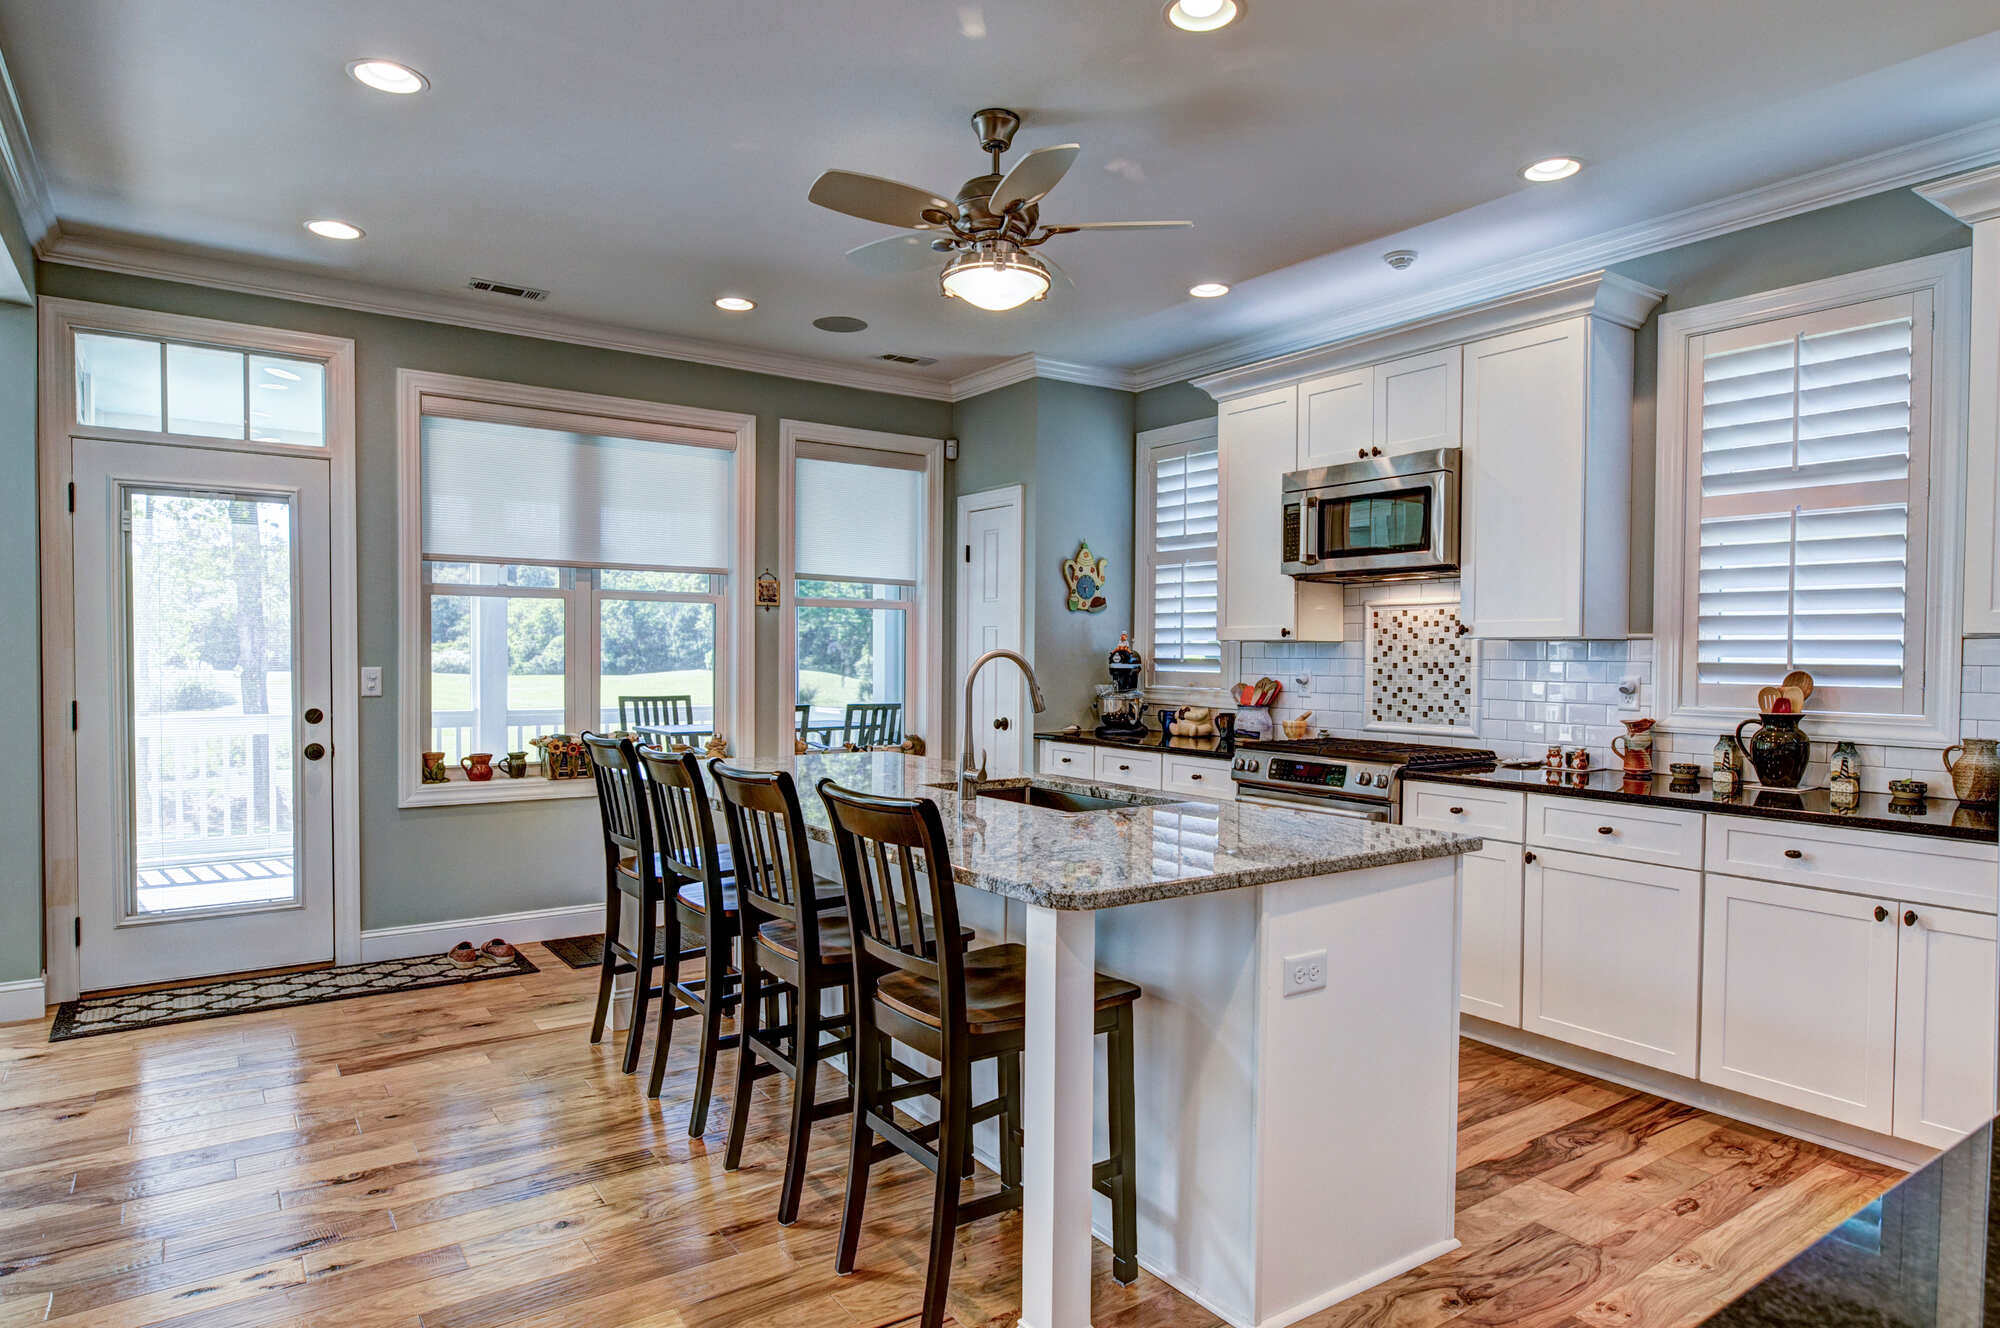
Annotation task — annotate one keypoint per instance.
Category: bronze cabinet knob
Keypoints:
(1909, 917)
(1361, 452)
(1881, 914)
(1528, 856)
(1793, 853)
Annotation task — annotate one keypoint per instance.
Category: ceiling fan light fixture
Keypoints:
(1203, 15)
(995, 277)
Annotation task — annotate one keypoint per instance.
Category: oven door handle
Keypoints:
(1265, 796)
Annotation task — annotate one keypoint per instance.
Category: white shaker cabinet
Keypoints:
(1336, 418)
(1258, 439)
(1945, 980)
(1489, 964)
(1405, 405)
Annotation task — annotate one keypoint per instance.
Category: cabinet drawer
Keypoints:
(1945, 872)
(1194, 775)
(1641, 834)
(1069, 758)
(1141, 769)
(1494, 813)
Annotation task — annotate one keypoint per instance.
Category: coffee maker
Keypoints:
(1121, 703)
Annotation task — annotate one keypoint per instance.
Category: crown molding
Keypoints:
(1894, 168)
(1023, 367)
(1972, 198)
(340, 293)
(1600, 294)
(20, 168)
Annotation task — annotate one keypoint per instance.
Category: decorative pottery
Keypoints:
(1637, 746)
(1728, 766)
(716, 747)
(1975, 775)
(1778, 752)
(1846, 760)
(1907, 794)
(1685, 770)
(478, 767)
(1553, 759)
(1084, 574)
(434, 769)
(1578, 758)
(1297, 728)
(1689, 784)
(515, 764)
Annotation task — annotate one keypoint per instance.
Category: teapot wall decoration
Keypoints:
(1084, 574)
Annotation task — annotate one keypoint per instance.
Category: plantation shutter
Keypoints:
(1809, 506)
(1186, 502)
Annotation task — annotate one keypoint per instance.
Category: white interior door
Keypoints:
(989, 618)
(204, 793)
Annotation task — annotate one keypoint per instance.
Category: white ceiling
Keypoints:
(639, 158)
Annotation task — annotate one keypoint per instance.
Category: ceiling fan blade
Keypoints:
(1033, 176)
(1120, 225)
(872, 198)
(898, 253)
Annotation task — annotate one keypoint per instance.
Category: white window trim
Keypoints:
(60, 320)
(923, 710)
(1193, 431)
(1947, 277)
(735, 622)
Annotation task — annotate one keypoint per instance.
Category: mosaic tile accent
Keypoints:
(1421, 668)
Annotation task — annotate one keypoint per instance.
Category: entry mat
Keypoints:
(93, 1015)
(584, 951)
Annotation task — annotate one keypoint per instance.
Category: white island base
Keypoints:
(1294, 1150)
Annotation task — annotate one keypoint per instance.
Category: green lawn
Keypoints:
(544, 691)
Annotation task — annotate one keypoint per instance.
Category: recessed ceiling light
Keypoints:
(388, 76)
(328, 229)
(1207, 290)
(735, 304)
(1203, 15)
(1551, 168)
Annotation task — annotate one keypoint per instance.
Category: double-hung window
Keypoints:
(1179, 501)
(1806, 539)
(574, 570)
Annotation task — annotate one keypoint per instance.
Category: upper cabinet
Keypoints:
(1536, 391)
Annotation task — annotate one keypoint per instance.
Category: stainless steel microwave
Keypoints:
(1383, 519)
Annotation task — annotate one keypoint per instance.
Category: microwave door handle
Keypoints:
(1309, 531)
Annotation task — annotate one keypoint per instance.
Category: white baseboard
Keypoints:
(22, 1000)
(541, 924)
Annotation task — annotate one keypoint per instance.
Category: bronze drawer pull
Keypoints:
(1458, 811)
(1881, 914)
(1606, 830)
(1910, 917)
(1793, 853)
(1192, 775)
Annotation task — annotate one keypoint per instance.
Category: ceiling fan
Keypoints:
(988, 229)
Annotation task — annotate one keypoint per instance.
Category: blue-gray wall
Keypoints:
(20, 646)
(436, 864)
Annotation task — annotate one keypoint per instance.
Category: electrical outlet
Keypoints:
(1628, 692)
(1305, 972)
(371, 682)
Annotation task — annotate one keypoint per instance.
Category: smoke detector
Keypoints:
(1400, 258)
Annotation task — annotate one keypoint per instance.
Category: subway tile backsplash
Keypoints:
(1538, 694)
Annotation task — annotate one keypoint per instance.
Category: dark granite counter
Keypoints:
(1941, 817)
(1152, 740)
(1924, 1255)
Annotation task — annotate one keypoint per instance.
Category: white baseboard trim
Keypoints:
(23, 1000)
(1890, 1151)
(421, 938)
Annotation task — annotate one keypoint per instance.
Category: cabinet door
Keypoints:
(1489, 952)
(1522, 513)
(1258, 436)
(1945, 1023)
(1611, 957)
(1799, 998)
(1336, 418)
(1417, 402)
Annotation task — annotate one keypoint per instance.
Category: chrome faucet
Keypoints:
(971, 773)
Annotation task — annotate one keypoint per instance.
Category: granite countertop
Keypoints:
(1166, 848)
(1152, 740)
(1939, 817)
(1924, 1255)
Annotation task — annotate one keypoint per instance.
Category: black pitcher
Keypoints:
(1778, 752)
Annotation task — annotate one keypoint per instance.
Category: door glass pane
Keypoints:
(117, 382)
(209, 633)
(287, 401)
(204, 391)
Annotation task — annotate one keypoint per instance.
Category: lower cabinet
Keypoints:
(1489, 963)
(1203, 777)
(1611, 957)
(1946, 992)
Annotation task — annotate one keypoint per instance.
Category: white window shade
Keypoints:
(1186, 501)
(858, 521)
(496, 492)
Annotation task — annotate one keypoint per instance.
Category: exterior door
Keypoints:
(204, 793)
(989, 618)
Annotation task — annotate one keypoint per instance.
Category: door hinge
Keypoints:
(79, 932)
(72, 716)
(72, 495)
(968, 553)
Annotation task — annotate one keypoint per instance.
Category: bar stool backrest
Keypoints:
(772, 856)
(902, 903)
(683, 828)
(626, 833)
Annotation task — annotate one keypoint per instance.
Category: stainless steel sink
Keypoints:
(1055, 798)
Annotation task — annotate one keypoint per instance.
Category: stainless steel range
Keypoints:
(1358, 777)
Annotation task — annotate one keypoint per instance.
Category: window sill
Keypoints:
(464, 792)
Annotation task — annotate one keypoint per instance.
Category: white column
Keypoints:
(1058, 1076)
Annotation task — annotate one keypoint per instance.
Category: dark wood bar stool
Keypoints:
(700, 878)
(915, 983)
(795, 934)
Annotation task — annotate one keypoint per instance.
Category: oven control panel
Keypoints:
(1313, 774)
(1351, 777)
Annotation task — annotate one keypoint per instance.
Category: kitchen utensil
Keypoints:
(1802, 680)
(1766, 698)
(1797, 696)
(1297, 728)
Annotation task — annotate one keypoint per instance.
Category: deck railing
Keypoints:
(208, 787)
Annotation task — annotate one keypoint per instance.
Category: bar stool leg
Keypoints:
(748, 1025)
(641, 984)
(715, 979)
(861, 1145)
(954, 1090)
(670, 974)
(607, 972)
(805, 1055)
(1124, 1130)
(1010, 1121)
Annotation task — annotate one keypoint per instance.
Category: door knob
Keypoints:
(314, 751)
(1000, 723)
(315, 715)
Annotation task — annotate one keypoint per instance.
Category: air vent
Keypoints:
(908, 359)
(507, 288)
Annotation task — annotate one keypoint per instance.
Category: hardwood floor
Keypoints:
(463, 1158)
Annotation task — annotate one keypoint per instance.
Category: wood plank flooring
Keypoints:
(463, 1158)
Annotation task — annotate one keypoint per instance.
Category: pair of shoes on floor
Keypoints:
(465, 956)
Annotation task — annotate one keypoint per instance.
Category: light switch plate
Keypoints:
(1305, 972)
(371, 682)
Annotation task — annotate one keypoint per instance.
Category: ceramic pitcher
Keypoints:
(1778, 752)
(1975, 775)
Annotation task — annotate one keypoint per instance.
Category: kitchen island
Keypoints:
(1295, 1146)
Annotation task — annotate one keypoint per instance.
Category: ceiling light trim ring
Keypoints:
(332, 228)
(1547, 170)
(381, 75)
(1216, 18)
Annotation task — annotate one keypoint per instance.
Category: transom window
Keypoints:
(156, 386)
